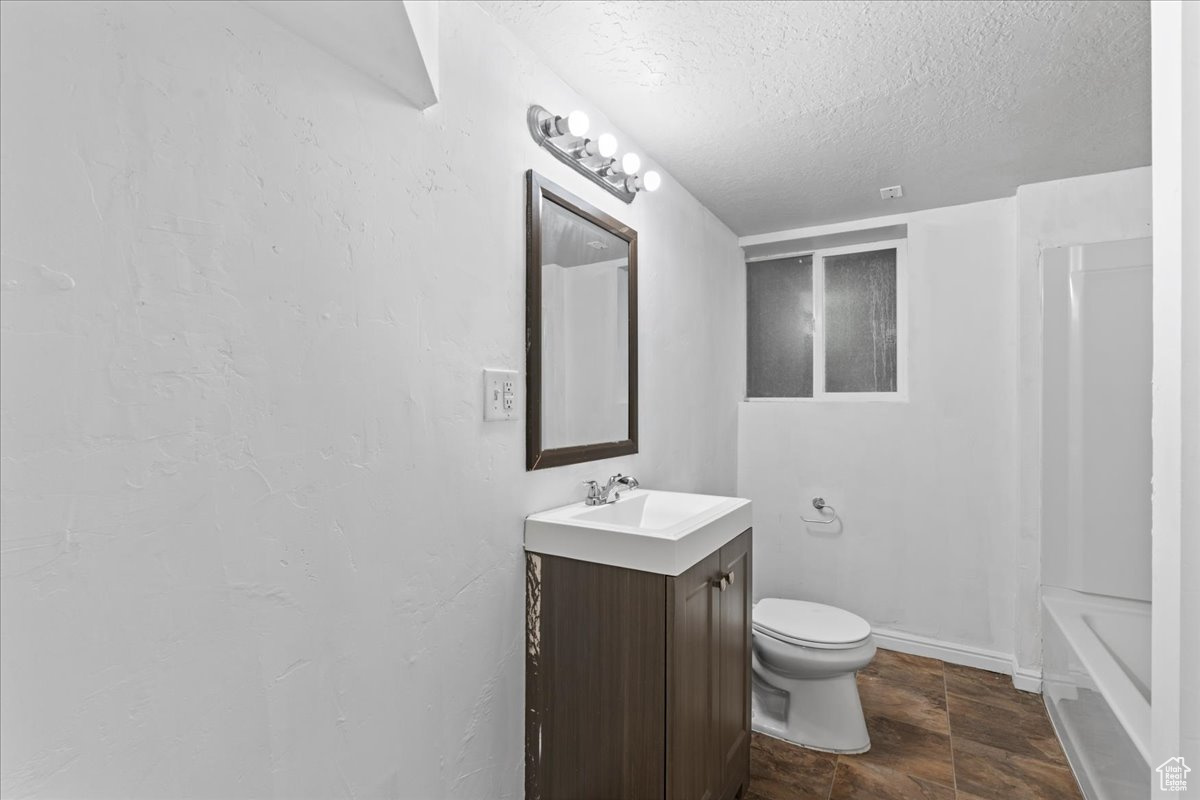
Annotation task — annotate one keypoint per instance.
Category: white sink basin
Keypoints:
(661, 532)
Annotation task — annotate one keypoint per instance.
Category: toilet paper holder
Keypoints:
(820, 505)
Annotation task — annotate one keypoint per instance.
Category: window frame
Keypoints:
(819, 394)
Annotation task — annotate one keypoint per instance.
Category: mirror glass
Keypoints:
(585, 331)
(585, 272)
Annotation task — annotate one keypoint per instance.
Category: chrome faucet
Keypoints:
(601, 496)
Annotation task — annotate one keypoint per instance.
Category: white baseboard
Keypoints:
(1027, 680)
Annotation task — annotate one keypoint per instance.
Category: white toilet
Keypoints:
(805, 657)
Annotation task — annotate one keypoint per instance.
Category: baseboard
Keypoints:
(1027, 680)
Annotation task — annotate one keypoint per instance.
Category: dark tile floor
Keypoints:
(938, 732)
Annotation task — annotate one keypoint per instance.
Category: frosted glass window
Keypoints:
(779, 333)
(829, 324)
(860, 322)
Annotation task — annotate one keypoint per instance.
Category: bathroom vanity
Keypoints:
(638, 625)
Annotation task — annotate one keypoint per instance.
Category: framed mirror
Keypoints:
(580, 330)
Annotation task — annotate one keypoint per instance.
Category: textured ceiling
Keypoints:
(777, 115)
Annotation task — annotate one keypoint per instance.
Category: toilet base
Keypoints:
(817, 713)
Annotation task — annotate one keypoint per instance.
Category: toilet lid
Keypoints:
(813, 623)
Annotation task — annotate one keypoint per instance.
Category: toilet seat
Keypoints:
(806, 624)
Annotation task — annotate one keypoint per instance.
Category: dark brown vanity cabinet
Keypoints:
(638, 684)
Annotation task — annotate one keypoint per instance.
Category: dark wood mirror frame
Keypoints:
(540, 190)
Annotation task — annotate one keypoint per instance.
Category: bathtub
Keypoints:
(1096, 673)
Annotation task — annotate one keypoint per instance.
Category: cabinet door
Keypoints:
(595, 656)
(693, 771)
(734, 624)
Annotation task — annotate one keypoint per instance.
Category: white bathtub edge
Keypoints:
(1129, 707)
(1075, 761)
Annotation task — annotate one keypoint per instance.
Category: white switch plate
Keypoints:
(891, 192)
(500, 395)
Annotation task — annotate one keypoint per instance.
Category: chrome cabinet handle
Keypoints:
(723, 582)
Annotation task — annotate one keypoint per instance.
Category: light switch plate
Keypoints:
(500, 395)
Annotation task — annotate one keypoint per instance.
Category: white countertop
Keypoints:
(647, 530)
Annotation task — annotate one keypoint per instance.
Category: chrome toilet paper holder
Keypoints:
(820, 505)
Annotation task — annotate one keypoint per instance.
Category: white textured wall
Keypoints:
(927, 489)
(257, 541)
(1094, 208)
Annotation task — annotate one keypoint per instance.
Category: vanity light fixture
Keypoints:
(596, 158)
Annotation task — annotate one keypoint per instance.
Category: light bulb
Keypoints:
(603, 146)
(577, 123)
(630, 163)
(648, 182)
(573, 124)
